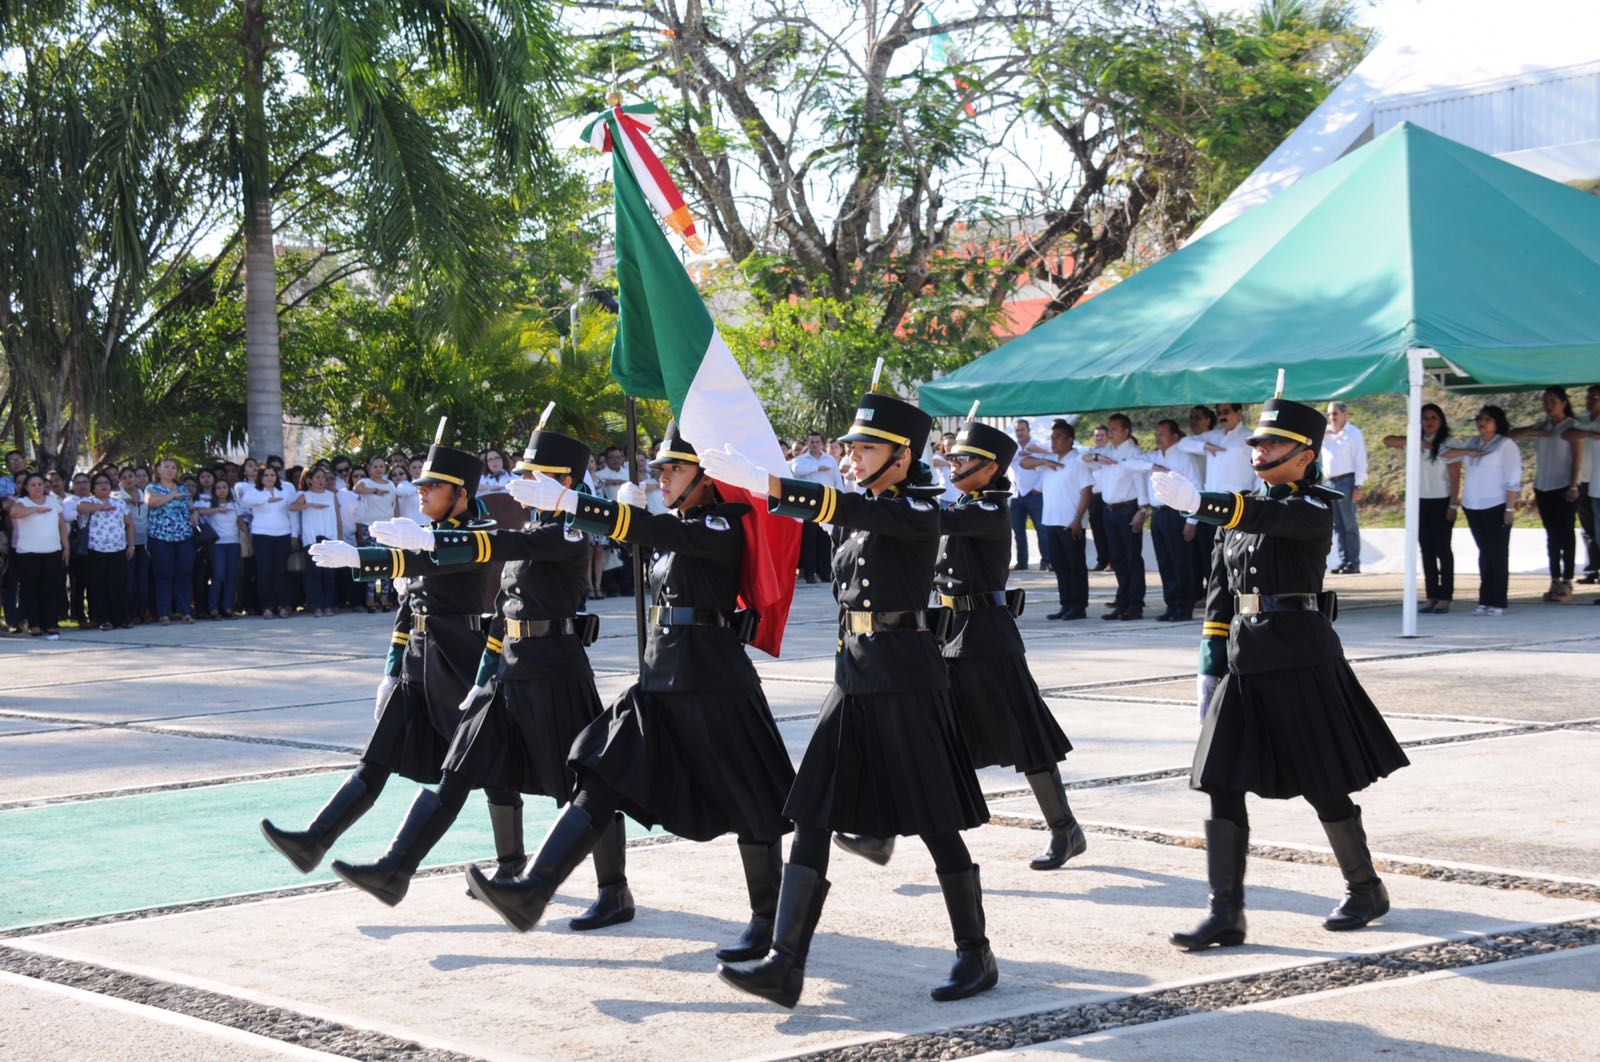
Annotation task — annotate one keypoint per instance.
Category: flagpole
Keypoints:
(638, 554)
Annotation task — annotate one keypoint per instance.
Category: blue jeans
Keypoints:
(272, 571)
(139, 581)
(1346, 527)
(173, 564)
(224, 575)
(1126, 547)
(321, 586)
(1023, 508)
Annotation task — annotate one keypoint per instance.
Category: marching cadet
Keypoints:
(534, 692)
(436, 645)
(691, 746)
(1284, 714)
(1003, 718)
(887, 757)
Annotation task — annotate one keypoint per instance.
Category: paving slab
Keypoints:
(438, 971)
(1540, 1007)
(46, 1022)
(1537, 686)
(346, 722)
(1526, 804)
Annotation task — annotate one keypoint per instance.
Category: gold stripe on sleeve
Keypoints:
(1238, 512)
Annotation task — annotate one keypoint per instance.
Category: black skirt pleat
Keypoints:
(517, 735)
(405, 739)
(1004, 720)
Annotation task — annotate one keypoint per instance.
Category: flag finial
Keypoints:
(438, 433)
(1279, 392)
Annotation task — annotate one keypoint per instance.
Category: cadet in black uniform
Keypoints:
(1003, 718)
(435, 648)
(533, 694)
(1284, 714)
(692, 746)
(887, 757)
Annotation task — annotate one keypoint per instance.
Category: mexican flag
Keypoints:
(668, 347)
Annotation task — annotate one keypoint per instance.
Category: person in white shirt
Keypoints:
(1219, 439)
(1558, 467)
(1438, 495)
(1587, 430)
(222, 512)
(1493, 473)
(941, 468)
(495, 475)
(1172, 532)
(317, 510)
(1097, 505)
(816, 465)
(407, 504)
(608, 480)
(1344, 463)
(612, 474)
(110, 545)
(270, 503)
(1065, 486)
(78, 566)
(1125, 495)
(41, 548)
(1027, 500)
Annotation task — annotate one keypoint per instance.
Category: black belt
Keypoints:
(540, 628)
(670, 616)
(419, 620)
(1122, 504)
(972, 602)
(854, 622)
(1253, 604)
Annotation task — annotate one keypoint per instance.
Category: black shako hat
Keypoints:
(883, 418)
(456, 467)
(981, 440)
(1294, 421)
(554, 454)
(674, 448)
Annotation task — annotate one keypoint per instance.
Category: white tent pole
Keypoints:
(1408, 603)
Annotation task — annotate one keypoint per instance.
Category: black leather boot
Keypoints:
(306, 848)
(1066, 836)
(509, 855)
(782, 974)
(614, 905)
(390, 877)
(763, 870)
(1365, 897)
(974, 970)
(1227, 846)
(873, 849)
(522, 900)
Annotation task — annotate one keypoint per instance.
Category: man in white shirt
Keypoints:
(1027, 501)
(1344, 463)
(1172, 532)
(1064, 488)
(1125, 494)
(816, 465)
(612, 473)
(1226, 452)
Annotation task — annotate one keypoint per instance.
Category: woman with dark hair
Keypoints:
(1439, 493)
(317, 516)
(270, 503)
(223, 514)
(495, 475)
(110, 546)
(171, 541)
(1493, 481)
(40, 540)
(1557, 472)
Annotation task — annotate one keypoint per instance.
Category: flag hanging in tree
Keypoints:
(668, 347)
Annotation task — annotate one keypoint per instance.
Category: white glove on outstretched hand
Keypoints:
(335, 554)
(1175, 490)
(735, 469)
(1205, 686)
(543, 493)
(403, 533)
(473, 694)
(384, 688)
(631, 494)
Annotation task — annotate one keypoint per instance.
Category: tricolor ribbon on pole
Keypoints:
(631, 123)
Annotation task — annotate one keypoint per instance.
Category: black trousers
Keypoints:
(1070, 564)
(1586, 521)
(1493, 537)
(1205, 537)
(1434, 529)
(1097, 531)
(272, 571)
(816, 551)
(1561, 541)
(40, 584)
(1174, 559)
(108, 587)
(1127, 555)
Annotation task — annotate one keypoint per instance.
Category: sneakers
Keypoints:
(1488, 610)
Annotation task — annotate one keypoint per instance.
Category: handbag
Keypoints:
(296, 564)
(204, 534)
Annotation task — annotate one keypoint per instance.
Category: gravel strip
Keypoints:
(1086, 1018)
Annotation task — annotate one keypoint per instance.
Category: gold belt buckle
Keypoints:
(419, 623)
(947, 602)
(858, 622)
(657, 614)
(516, 629)
(1249, 604)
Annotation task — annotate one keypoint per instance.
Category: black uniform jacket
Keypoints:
(883, 563)
(432, 588)
(974, 561)
(1273, 543)
(694, 563)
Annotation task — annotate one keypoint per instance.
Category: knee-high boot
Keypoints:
(1365, 896)
(782, 974)
(390, 877)
(522, 900)
(873, 849)
(305, 848)
(763, 870)
(614, 905)
(509, 854)
(1227, 847)
(1066, 836)
(974, 970)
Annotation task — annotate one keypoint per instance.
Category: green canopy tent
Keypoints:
(1411, 256)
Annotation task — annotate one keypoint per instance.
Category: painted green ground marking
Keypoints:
(96, 857)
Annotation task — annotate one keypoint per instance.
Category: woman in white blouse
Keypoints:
(40, 540)
(317, 509)
(407, 502)
(1439, 492)
(495, 477)
(223, 513)
(272, 535)
(377, 503)
(1493, 482)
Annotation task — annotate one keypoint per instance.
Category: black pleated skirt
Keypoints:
(885, 765)
(517, 735)
(700, 765)
(1005, 721)
(1289, 733)
(405, 740)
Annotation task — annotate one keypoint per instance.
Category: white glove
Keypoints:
(335, 554)
(544, 494)
(631, 494)
(384, 689)
(403, 533)
(1204, 687)
(1175, 490)
(473, 694)
(735, 469)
